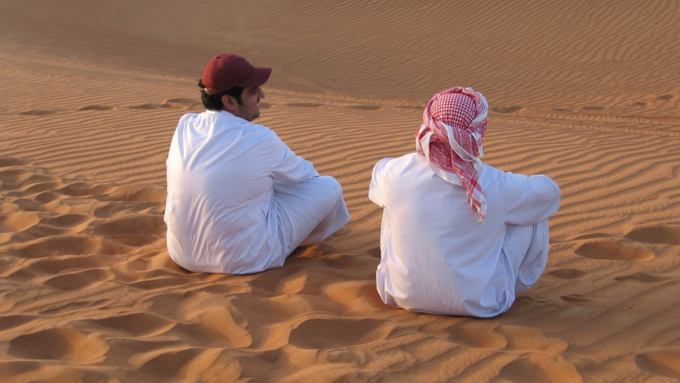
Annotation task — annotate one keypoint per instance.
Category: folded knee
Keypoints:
(331, 185)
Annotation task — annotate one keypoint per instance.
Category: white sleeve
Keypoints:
(376, 190)
(530, 200)
(287, 167)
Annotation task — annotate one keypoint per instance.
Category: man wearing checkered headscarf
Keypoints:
(454, 123)
(458, 237)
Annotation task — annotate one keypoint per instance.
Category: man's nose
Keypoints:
(261, 93)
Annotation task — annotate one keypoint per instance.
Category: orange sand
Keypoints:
(585, 92)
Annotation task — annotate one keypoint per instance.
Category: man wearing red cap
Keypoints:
(458, 237)
(239, 200)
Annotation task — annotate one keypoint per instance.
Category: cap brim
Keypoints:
(257, 77)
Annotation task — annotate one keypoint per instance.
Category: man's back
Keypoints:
(221, 171)
(436, 257)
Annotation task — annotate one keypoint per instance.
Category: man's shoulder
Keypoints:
(397, 167)
(491, 174)
(257, 127)
(188, 116)
(411, 161)
(515, 181)
(406, 158)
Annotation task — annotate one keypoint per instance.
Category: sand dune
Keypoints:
(585, 92)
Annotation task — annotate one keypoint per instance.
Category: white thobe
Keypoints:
(435, 258)
(239, 200)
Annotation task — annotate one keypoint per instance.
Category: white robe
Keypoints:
(437, 259)
(239, 200)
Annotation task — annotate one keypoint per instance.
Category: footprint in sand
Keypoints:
(526, 339)
(476, 334)
(305, 104)
(159, 283)
(660, 362)
(640, 104)
(12, 321)
(43, 186)
(147, 106)
(173, 105)
(656, 234)
(122, 349)
(32, 183)
(138, 230)
(642, 278)
(138, 193)
(33, 371)
(172, 363)
(229, 326)
(79, 189)
(184, 101)
(13, 161)
(342, 232)
(79, 280)
(72, 245)
(365, 107)
(374, 252)
(187, 102)
(133, 240)
(62, 264)
(622, 250)
(15, 368)
(664, 97)
(13, 179)
(575, 298)
(164, 105)
(507, 109)
(357, 295)
(143, 224)
(114, 208)
(47, 197)
(40, 112)
(335, 333)
(592, 108)
(97, 108)
(198, 334)
(66, 220)
(539, 367)
(18, 221)
(58, 344)
(77, 305)
(27, 204)
(567, 273)
(140, 324)
(410, 107)
(30, 204)
(61, 224)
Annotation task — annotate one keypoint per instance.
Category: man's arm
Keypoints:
(287, 167)
(529, 200)
(375, 191)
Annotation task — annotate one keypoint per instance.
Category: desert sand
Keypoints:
(585, 92)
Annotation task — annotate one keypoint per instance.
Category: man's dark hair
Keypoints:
(214, 101)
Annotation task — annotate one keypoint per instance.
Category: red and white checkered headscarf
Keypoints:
(454, 123)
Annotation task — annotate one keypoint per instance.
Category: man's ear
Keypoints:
(230, 103)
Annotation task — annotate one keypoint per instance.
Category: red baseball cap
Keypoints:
(229, 70)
